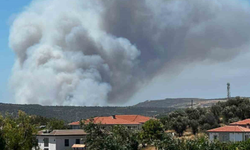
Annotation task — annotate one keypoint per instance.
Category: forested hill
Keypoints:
(179, 102)
(72, 113)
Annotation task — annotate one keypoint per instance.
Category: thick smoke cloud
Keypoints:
(100, 52)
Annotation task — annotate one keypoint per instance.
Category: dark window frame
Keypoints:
(78, 141)
(66, 142)
(215, 137)
(247, 137)
(46, 143)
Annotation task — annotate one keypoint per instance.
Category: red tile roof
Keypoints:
(75, 123)
(135, 118)
(242, 122)
(119, 119)
(112, 121)
(230, 129)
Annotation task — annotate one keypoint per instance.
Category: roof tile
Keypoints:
(119, 119)
(75, 123)
(242, 122)
(111, 121)
(230, 129)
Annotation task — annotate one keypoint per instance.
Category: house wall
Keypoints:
(74, 126)
(52, 142)
(57, 142)
(234, 137)
(133, 126)
(211, 136)
(140, 126)
(224, 136)
(60, 145)
(245, 136)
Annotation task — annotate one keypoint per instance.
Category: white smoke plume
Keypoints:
(100, 52)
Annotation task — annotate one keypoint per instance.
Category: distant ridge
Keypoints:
(75, 113)
(179, 102)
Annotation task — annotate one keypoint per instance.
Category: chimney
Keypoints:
(113, 116)
(46, 131)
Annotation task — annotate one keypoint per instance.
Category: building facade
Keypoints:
(60, 139)
(75, 137)
(229, 134)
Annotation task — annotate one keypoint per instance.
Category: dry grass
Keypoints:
(187, 135)
(149, 148)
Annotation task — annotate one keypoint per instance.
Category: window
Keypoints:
(224, 137)
(215, 137)
(46, 149)
(46, 142)
(77, 141)
(247, 137)
(66, 142)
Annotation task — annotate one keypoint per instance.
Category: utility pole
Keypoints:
(228, 91)
(192, 103)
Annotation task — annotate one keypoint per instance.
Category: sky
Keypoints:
(8, 10)
(200, 80)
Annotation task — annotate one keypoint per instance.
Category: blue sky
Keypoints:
(8, 9)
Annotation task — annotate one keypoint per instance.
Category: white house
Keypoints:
(229, 133)
(61, 139)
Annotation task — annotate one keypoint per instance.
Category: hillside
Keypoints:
(72, 113)
(178, 103)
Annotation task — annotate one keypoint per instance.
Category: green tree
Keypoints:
(194, 126)
(216, 110)
(192, 114)
(118, 138)
(166, 121)
(177, 113)
(208, 121)
(229, 112)
(2, 140)
(167, 143)
(19, 132)
(39, 120)
(152, 130)
(180, 124)
(126, 138)
(98, 138)
(234, 109)
(54, 124)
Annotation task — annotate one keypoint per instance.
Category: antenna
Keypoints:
(228, 91)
